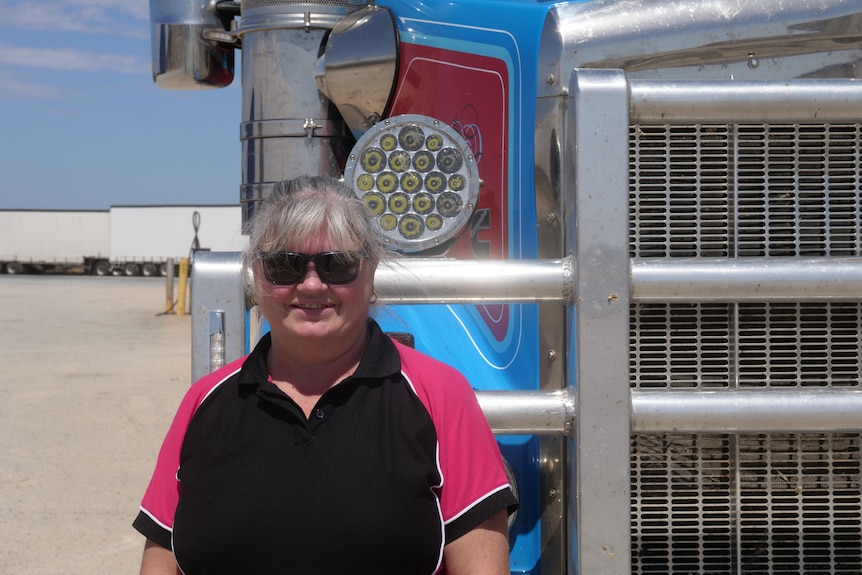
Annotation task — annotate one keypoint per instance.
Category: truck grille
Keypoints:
(757, 504)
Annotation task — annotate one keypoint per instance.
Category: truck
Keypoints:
(54, 240)
(145, 238)
(635, 226)
(123, 240)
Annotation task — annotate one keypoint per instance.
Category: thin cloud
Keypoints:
(17, 88)
(114, 17)
(71, 60)
(135, 8)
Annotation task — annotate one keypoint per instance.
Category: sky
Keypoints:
(83, 126)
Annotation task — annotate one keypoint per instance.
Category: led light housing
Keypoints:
(419, 178)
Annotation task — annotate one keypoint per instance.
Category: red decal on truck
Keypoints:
(470, 93)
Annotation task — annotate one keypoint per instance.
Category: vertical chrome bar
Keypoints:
(219, 286)
(599, 490)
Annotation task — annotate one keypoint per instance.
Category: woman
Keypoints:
(330, 448)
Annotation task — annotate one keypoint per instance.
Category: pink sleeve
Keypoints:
(163, 493)
(469, 457)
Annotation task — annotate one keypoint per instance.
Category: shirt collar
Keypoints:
(380, 359)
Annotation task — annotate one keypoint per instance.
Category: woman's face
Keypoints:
(312, 310)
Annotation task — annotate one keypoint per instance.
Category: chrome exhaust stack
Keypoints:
(288, 127)
(316, 75)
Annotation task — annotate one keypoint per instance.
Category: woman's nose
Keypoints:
(311, 280)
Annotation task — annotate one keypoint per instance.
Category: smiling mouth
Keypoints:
(311, 306)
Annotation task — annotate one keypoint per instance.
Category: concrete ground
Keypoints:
(91, 375)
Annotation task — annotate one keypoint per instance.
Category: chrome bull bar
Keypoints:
(542, 412)
(548, 412)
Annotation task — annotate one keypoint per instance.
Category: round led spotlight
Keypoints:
(418, 177)
(423, 160)
(435, 182)
(388, 222)
(388, 142)
(423, 203)
(375, 203)
(373, 160)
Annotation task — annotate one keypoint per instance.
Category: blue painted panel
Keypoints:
(496, 347)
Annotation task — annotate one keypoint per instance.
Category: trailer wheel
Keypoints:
(102, 268)
(149, 269)
(13, 268)
(130, 269)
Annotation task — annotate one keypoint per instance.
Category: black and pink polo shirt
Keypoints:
(394, 462)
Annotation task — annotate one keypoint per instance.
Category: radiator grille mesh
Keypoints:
(756, 504)
(783, 504)
(746, 345)
(740, 190)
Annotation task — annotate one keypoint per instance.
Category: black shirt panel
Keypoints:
(265, 490)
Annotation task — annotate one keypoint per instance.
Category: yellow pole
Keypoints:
(169, 285)
(181, 297)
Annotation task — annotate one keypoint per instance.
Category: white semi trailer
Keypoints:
(55, 240)
(127, 240)
(144, 238)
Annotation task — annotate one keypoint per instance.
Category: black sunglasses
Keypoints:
(289, 268)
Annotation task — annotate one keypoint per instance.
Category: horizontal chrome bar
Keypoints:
(746, 279)
(440, 280)
(773, 410)
(797, 410)
(759, 102)
(430, 280)
(529, 412)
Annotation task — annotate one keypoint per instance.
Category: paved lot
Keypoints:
(92, 373)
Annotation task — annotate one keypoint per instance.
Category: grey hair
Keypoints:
(311, 207)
